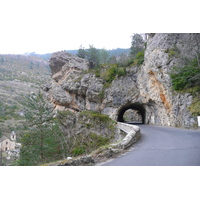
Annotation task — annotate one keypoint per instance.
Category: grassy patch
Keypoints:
(173, 52)
(97, 117)
(84, 144)
(195, 106)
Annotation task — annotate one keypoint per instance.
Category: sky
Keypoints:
(46, 26)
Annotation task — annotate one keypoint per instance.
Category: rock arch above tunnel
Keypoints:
(136, 107)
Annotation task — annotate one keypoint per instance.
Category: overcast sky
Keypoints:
(44, 26)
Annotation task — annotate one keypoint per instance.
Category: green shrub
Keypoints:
(195, 106)
(78, 151)
(121, 71)
(101, 94)
(111, 72)
(97, 117)
(139, 58)
(98, 140)
(86, 143)
(186, 77)
(88, 125)
(173, 52)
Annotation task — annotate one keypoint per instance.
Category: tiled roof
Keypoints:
(3, 138)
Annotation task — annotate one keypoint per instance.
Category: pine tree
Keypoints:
(81, 52)
(104, 56)
(43, 139)
(93, 56)
(137, 44)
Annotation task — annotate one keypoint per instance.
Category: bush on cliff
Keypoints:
(111, 72)
(187, 79)
(89, 131)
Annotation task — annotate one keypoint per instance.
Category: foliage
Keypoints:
(86, 140)
(104, 56)
(111, 72)
(173, 52)
(86, 143)
(195, 106)
(186, 77)
(81, 52)
(95, 116)
(42, 140)
(139, 58)
(101, 94)
(97, 57)
(24, 68)
(93, 55)
(9, 111)
(137, 44)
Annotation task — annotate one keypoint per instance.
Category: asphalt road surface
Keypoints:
(162, 146)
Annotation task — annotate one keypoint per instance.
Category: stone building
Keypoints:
(7, 144)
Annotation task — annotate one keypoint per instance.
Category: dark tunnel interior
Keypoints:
(132, 113)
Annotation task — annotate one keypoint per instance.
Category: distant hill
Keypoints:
(19, 75)
(116, 52)
(45, 56)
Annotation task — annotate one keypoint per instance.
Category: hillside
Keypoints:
(19, 75)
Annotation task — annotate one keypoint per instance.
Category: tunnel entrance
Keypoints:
(132, 113)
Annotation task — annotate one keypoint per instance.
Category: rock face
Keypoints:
(163, 105)
(145, 88)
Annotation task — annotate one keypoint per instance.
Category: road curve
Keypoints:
(162, 146)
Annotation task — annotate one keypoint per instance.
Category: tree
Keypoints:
(81, 52)
(104, 56)
(42, 140)
(112, 59)
(137, 44)
(93, 56)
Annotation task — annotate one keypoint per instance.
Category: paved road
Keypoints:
(162, 146)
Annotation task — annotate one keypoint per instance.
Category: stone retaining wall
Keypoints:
(133, 135)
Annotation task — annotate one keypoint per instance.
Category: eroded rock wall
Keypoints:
(75, 87)
(163, 105)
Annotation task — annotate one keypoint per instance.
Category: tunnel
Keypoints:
(132, 113)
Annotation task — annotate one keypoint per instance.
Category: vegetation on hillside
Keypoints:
(121, 57)
(19, 75)
(187, 79)
(23, 68)
(43, 139)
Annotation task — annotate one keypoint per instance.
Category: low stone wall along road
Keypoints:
(162, 146)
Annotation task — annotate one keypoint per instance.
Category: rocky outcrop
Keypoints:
(146, 88)
(163, 105)
(82, 161)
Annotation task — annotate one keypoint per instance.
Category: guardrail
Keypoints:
(133, 135)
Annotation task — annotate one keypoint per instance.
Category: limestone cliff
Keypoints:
(146, 88)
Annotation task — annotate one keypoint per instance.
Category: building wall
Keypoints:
(7, 145)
